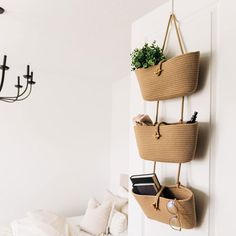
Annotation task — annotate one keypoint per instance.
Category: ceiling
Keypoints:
(87, 39)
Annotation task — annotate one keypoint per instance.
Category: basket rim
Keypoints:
(167, 199)
(169, 124)
(169, 60)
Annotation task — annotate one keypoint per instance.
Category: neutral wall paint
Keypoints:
(55, 144)
(79, 32)
(225, 174)
(119, 160)
(54, 147)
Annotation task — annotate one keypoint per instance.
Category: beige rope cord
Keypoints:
(157, 113)
(181, 113)
(180, 40)
(154, 166)
(178, 173)
(158, 124)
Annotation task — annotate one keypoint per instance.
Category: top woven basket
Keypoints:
(172, 78)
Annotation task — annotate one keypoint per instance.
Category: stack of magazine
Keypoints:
(145, 184)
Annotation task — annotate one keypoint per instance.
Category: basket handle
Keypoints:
(178, 33)
(178, 173)
(181, 121)
(181, 112)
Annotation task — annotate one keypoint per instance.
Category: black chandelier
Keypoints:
(23, 91)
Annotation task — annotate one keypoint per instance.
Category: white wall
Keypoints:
(79, 32)
(54, 146)
(225, 173)
(119, 131)
(199, 25)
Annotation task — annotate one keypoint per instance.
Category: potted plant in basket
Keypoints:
(148, 55)
(161, 79)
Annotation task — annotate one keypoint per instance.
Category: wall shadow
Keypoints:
(203, 140)
(201, 200)
(205, 61)
(169, 181)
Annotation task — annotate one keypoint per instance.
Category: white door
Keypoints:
(198, 25)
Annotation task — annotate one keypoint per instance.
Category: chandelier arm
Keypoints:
(2, 80)
(11, 99)
(26, 87)
(19, 95)
(21, 99)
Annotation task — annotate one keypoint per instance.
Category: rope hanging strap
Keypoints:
(180, 40)
(157, 198)
(157, 113)
(178, 175)
(154, 166)
(172, 19)
(181, 112)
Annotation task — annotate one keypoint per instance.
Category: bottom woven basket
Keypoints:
(184, 202)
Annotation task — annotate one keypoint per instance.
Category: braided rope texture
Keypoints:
(176, 142)
(185, 203)
(177, 77)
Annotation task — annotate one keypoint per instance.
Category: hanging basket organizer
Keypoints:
(177, 142)
(155, 207)
(167, 142)
(172, 78)
(184, 200)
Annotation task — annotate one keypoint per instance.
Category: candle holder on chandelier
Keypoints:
(23, 91)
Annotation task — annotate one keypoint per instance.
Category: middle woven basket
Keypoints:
(175, 142)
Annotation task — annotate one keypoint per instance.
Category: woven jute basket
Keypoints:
(155, 207)
(173, 78)
(175, 142)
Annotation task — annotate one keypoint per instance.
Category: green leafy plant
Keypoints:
(148, 55)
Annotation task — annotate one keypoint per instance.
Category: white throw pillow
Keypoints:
(124, 209)
(93, 203)
(119, 223)
(57, 222)
(123, 192)
(96, 217)
(117, 201)
(29, 227)
(49, 219)
(5, 230)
